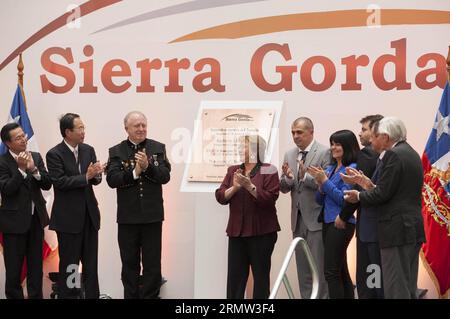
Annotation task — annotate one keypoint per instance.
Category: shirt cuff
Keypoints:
(135, 175)
(289, 181)
(304, 177)
(37, 176)
(24, 174)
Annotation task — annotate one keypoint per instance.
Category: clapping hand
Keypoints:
(243, 180)
(287, 171)
(317, 173)
(94, 169)
(22, 161)
(301, 169)
(351, 196)
(235, 178)
(100, 168)
(354, 176)
(339, 223)
(25, 161)
(30, 162)
(141, 159)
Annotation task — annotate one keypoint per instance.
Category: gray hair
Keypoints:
(393, 127)
(125, 120)
(306, 120)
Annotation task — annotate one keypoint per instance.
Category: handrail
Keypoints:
(282, 274)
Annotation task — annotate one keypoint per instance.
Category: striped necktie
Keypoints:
(77, 161)
(302, 158)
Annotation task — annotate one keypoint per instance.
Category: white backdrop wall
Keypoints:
(194, 241)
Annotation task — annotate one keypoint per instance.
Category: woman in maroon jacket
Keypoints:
(251, 189)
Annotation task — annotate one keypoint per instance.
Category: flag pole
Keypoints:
(448, 64)
(20, 68)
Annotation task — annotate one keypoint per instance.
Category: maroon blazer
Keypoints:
(250, 216)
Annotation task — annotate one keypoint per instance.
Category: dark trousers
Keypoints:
(136, 241)
(16, 247)
(246, 252)
(74, 248)
(335, 242)
(368, 254)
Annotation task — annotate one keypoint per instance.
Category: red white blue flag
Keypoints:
(19, 115)
(436, 198)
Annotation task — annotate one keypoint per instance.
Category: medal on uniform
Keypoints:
(155, 157)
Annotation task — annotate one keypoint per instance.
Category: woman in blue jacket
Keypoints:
(344, 149)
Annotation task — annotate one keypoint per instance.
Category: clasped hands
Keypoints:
(95, 169)
(355, 177)
(141, 162)
(25, 161)
(241, 180)
(318, 174)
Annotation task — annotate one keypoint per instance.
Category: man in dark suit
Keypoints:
(23, 214)
(397, 195)
(367, 247)
(73, 168)
(137, 168)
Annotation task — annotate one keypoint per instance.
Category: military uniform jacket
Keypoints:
(139, 201)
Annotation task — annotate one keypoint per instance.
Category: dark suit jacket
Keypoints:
(74, 197)
(18, 192)
(366, 220)
(398, 195)
(250, 216)
(139, 201)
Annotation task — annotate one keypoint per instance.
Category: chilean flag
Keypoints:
(19, 115)
(436, 198)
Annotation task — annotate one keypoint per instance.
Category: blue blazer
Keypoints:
(331, 194)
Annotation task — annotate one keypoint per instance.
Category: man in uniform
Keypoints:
(137, 168)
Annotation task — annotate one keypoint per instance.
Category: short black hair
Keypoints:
(66, 122)
(349, 144)
(371, 119)
(5, 135)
